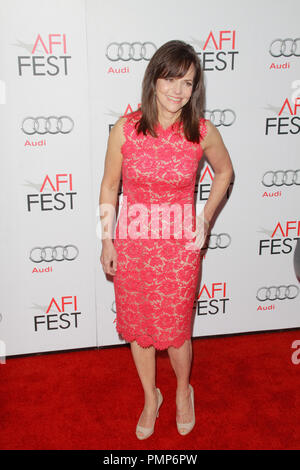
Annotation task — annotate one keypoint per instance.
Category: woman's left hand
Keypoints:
(202, 226)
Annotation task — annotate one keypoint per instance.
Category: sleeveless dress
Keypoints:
(156, 277)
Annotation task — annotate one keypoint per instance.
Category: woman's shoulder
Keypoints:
(209, 133)
(205, 127)
(134, 116)
(128, 120)
(125, 124)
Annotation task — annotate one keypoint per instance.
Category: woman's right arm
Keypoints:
(109, 195)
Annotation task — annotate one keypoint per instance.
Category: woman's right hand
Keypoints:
(108, 257)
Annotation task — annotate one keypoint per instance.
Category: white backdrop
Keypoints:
(79, 60)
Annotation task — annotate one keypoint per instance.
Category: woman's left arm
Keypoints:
(219, 159)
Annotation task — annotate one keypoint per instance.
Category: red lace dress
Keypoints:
(156, 278)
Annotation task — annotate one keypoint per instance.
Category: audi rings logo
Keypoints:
(221, 117)
(285, 47)
(222, 240)
(53, 253)
(47, 125)
(277, 293)
(281, 178)
(130, 51)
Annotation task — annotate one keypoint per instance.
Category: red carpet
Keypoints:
(247, 396)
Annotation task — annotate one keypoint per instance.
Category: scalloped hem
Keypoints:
(147, 341)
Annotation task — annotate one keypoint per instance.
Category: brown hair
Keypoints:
(173, 59)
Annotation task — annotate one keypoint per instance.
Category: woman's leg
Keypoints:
(144, 359)
(181, 360)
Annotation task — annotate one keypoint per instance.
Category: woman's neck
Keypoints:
(166, 119)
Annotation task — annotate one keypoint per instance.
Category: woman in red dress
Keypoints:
(154, 251)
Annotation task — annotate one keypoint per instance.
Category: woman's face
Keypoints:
(173, 93)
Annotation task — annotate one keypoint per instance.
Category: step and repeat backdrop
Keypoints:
(69, 69)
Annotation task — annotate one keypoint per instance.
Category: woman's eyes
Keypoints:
(171, 79)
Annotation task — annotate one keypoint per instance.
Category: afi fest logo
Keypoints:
(217, 51)
(287, 120)
(205, 182)
(212, 299)
(283, 239)
(48, 56)
(129, 109)
(60, 319)
(55, 193)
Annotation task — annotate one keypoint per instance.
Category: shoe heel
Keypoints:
(149, 431)
(187, 427)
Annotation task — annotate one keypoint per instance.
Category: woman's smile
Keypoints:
(173, 99)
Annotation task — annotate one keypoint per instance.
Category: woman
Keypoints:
(157, 149)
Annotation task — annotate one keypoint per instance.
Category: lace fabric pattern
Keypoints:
(156, 278)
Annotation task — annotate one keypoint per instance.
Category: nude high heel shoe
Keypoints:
(149, 431)
(185, 428)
